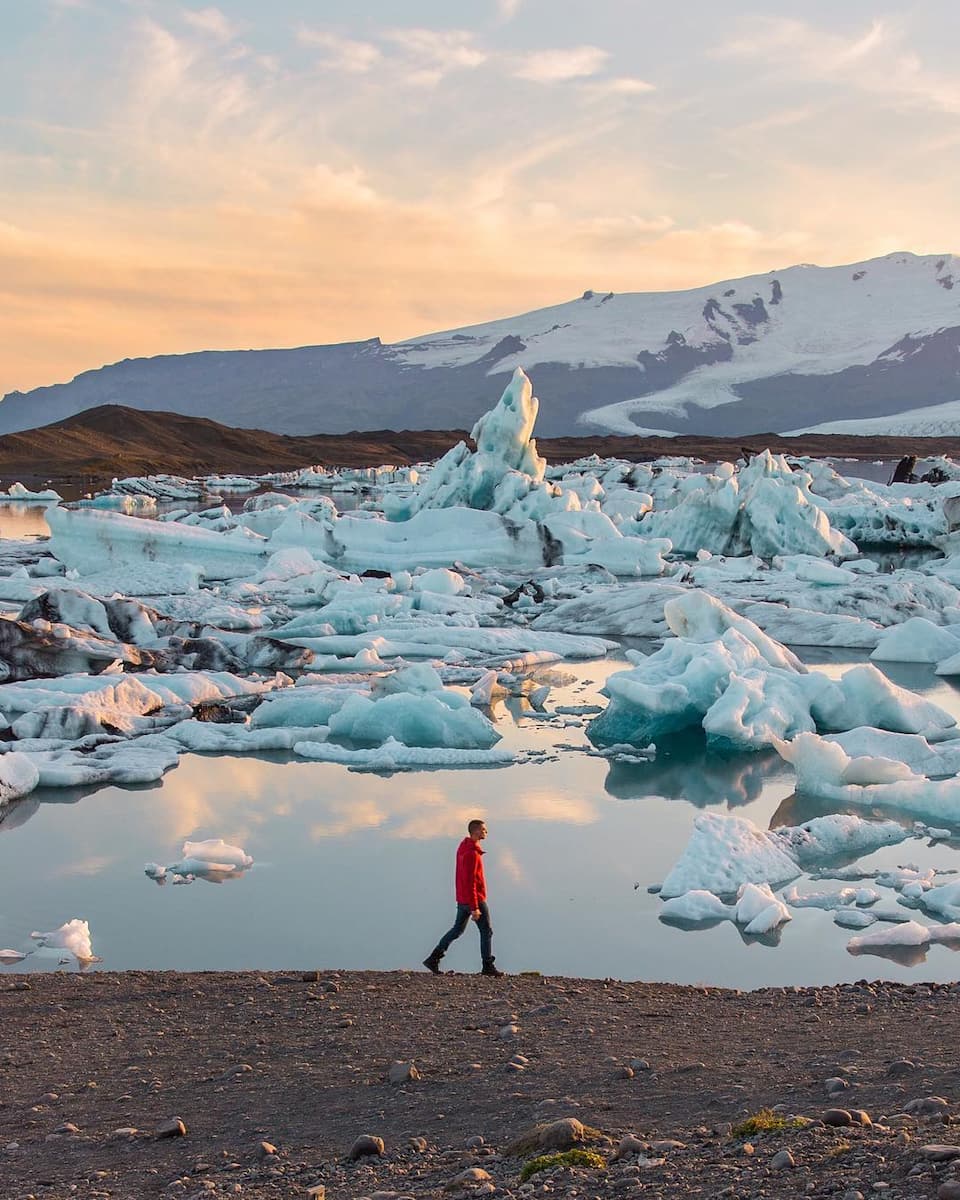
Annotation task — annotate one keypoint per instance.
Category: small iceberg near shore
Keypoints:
(213, 860)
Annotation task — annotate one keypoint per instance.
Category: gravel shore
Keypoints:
(142, 1084)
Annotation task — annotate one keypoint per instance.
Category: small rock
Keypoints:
(852, 1194)
(171, 1129)
(861, 1117)
(949, 1190)
(783, 1160)
(837, 1116)
(629, 1144)
(367, 1145)
(419, 1144)
(903, 1066)
(318, 1191)
(664, 1145)
(310, 977)
(639, 1064)
(563, 1134)
(67, 1129)
(402, 1072)
(926, 1106)
(468, 1178)
(939, 1153)
(834, 1085)
(475, 1142)
(626, 1073)
(509, 1032)
(125, 1134)
(266, 1150)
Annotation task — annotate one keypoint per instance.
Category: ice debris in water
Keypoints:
(746, 691)
(73, 936)
(757, 909)
(213, 860)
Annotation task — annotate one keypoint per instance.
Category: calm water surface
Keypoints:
(354, 870)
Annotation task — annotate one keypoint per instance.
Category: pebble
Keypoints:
(629, 1144)
(837, 1116)
(469, 1178)
(949, 1190)
(266, 1150)
(926, 1106)
(939, 1153)
(419, 1144)
(317, 1191)
(783, 1160)
(174, 1127)
(834, 1085)
(903, 1066)
(402, 1072)
(367, 1145)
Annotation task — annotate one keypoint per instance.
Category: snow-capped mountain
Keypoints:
(874, 345)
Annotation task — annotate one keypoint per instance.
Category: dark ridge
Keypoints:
(92, 447)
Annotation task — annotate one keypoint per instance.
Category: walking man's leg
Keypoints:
(432, 961)
(486, 941)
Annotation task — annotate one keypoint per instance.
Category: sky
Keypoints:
(178, 178)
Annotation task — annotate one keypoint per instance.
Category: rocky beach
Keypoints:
(389, 1085)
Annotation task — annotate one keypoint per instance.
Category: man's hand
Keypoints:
(475, 914)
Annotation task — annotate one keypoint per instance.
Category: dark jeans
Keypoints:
(461, 923)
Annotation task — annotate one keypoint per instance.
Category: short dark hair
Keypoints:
(475, 825)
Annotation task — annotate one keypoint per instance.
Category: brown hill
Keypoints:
(91, 448)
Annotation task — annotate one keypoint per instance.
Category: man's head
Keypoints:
(477, 829)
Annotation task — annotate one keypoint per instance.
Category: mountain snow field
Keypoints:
(704, 708)
(869, 347)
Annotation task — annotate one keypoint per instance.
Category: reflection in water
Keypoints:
(685, 769)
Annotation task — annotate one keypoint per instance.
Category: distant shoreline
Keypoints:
(89, 450)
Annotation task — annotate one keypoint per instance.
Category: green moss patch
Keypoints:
(569, 1158)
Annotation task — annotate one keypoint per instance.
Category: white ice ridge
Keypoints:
(797, 599)
(766, 509)
(213, 860)
(746, 691)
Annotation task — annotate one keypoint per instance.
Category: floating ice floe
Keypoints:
(757, 909)
(73, 936)
(910, 934)
(725, 852)
(18, 776)
(213, 860)
(825, 769)
(23, 495)
(395, 756)
(745, 690)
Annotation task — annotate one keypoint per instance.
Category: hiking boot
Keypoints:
(432, 962)
(489, 968)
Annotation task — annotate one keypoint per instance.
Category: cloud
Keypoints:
(341, 53)
(211, 21)
(876, 60)
(434, 53)
(508, 9)
(623, 85)
(557, 66)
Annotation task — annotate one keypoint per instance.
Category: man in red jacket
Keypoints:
(471, 902)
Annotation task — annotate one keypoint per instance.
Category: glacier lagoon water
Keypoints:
(355, 870)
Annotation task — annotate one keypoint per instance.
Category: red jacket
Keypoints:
(471, 886)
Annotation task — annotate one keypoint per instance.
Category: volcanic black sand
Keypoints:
(274, 1077)
(90, 449)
